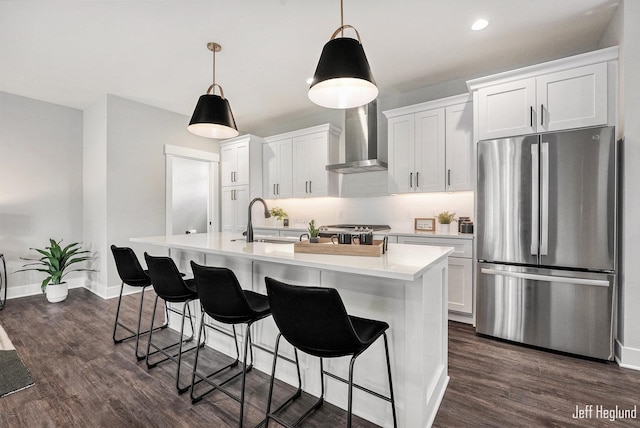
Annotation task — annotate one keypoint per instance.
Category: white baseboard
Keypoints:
(34, 289)
(627, 357)
(459, 317)
(100, 291)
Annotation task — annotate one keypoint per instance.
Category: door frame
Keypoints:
(213, 210)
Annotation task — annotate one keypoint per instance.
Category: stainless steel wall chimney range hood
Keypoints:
(360, 141)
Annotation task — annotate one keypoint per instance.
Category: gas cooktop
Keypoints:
(337, 228)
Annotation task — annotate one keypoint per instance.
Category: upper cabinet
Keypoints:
(294, 163)
(431, 146)
(240, 179)
(277, 162)
(573, 92)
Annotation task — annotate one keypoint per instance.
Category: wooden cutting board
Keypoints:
(325, 246)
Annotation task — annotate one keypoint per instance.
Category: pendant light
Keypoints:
(212, 117)
(343, 77)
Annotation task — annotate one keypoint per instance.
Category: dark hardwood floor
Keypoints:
(83, 380)
(500, 384)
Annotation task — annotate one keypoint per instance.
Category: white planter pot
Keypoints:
(444, 229)
(57, 292)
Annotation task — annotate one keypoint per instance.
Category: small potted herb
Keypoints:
(278, 214)
(313, 232)
(445, 218)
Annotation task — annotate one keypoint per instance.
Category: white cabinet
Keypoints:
(234, 163)
(460, 160)
(294, 163)
(234, 208)
(574, 92)
(460, 269)
(431, 146)
(277, 168)
(507, 109)
(240, 180)
(573, 98)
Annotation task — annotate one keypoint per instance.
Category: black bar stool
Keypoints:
(170, 286)
(222, 298)
(132, 274)
(315, 321)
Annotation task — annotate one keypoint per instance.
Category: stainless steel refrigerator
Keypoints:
(546, 240)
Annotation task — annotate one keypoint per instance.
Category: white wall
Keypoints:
(629, 278)
(135, 175)
(40, 182)
(95, 189)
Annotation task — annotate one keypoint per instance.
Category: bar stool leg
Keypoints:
(393, 401)
(136, 333)
(297, 394)
(350, 400)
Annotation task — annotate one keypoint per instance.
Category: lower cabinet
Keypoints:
(460, 269)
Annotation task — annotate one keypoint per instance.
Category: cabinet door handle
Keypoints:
(310, 187)
(278, 187)
(448, 177)
(417, 179)
(411, 179)
(306, 187)
(541, 114)
(531, 115)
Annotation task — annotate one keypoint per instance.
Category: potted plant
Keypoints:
(445, 218)
(313, 232)
(56, 264)
(278, 213)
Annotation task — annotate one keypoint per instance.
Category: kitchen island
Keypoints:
(406, 287)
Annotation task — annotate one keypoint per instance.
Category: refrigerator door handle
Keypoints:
(535, 193)
(549, 278)
(544, 198)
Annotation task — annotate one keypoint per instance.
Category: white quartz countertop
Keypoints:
(401, 262)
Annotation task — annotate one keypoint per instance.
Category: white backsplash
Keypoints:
(398, 211)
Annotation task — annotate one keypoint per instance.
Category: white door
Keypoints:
(190, 196)
(191, 190)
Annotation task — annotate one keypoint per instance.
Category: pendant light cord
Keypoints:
(342, 17)
(214, 67)
(342, 26)
(212, 88)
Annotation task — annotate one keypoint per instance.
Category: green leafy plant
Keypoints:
(313, 231)
(56, 261)
(446, 218)
(278, 213)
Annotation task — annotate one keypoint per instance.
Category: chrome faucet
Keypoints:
(267, 214)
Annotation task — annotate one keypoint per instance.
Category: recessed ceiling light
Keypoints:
(480, 24)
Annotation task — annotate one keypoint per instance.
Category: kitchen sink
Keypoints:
(270, 240)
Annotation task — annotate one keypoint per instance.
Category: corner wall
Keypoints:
(40, 183)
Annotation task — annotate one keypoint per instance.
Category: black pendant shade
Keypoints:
(343, 77)
(212, 118)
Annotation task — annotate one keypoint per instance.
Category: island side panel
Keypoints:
(426, 313)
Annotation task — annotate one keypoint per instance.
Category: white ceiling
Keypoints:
(74, 52)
